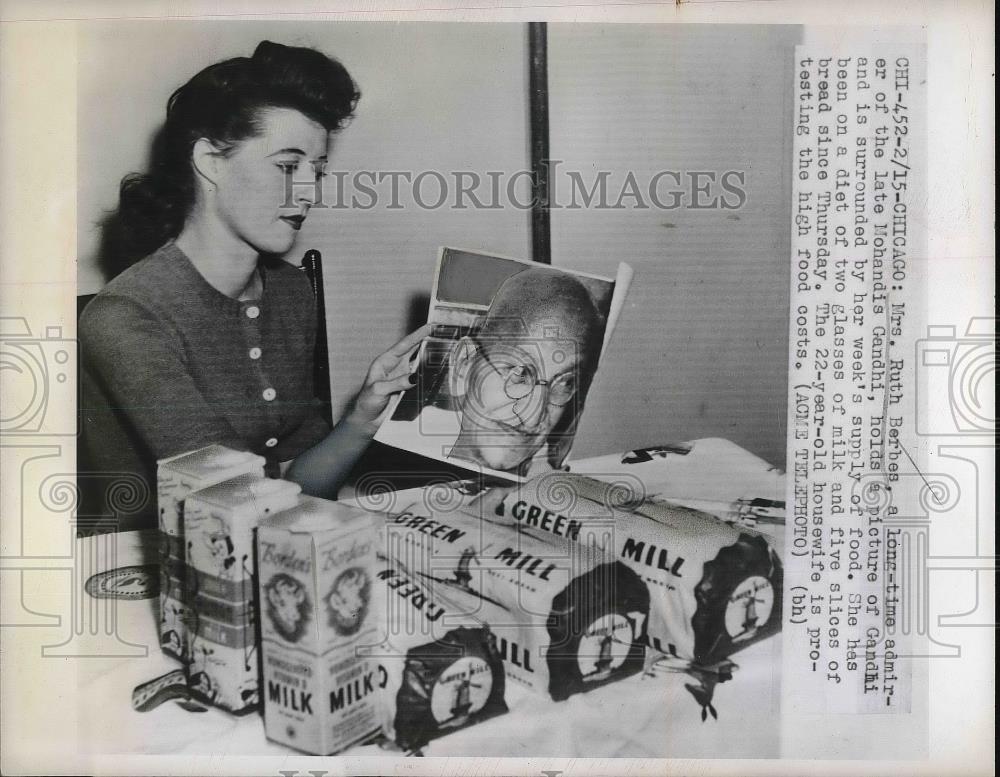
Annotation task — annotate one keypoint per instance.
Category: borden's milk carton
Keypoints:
(219, 523)
(316, 571)
(177, 477)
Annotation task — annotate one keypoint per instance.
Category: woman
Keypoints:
(209, 339)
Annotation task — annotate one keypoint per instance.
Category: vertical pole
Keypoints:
(538, 86)
(312, 265)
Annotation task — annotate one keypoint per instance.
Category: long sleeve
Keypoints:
(143, 371)
(170, 364)
(322, 469)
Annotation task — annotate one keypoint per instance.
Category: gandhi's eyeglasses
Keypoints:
(520, 380)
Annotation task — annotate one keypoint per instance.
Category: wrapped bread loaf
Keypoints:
(715, 588)
(564, 617)
(439, 670)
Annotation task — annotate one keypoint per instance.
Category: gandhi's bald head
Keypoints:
(540, 302)
(534, 354)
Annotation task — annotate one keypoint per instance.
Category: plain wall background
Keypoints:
(701, 348)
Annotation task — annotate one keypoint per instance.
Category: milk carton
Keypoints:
(177, 477)
(219, 523)
(316, 575)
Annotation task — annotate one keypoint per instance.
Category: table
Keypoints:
(647, 715)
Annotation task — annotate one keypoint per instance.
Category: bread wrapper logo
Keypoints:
(347, 601)
(461, 691)
(597, 630)
(287, 606)
(749, 607)
(452, 682)
(738, 596)
(604, 647)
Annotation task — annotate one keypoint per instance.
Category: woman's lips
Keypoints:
(295, 222)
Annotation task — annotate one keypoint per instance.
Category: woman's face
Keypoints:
(266, 185)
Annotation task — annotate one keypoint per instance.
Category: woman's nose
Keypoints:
(307, 186)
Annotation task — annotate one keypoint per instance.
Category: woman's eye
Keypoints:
(288, 167)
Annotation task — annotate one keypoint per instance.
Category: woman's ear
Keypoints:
(460, 362)
(206, 158)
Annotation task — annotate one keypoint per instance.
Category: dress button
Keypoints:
(269, 394)
(253, 311)
(255, 353)
(271, 442)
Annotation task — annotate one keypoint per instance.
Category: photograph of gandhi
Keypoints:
(503, 378)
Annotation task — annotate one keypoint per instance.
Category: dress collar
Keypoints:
(210, 295)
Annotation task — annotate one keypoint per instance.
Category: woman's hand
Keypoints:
(388, 375)
(323, 469)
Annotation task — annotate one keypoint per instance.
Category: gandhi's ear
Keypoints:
(460, 362)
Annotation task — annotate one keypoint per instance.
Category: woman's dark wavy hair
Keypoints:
(221, 103)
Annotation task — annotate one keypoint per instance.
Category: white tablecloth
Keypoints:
(640, 716)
